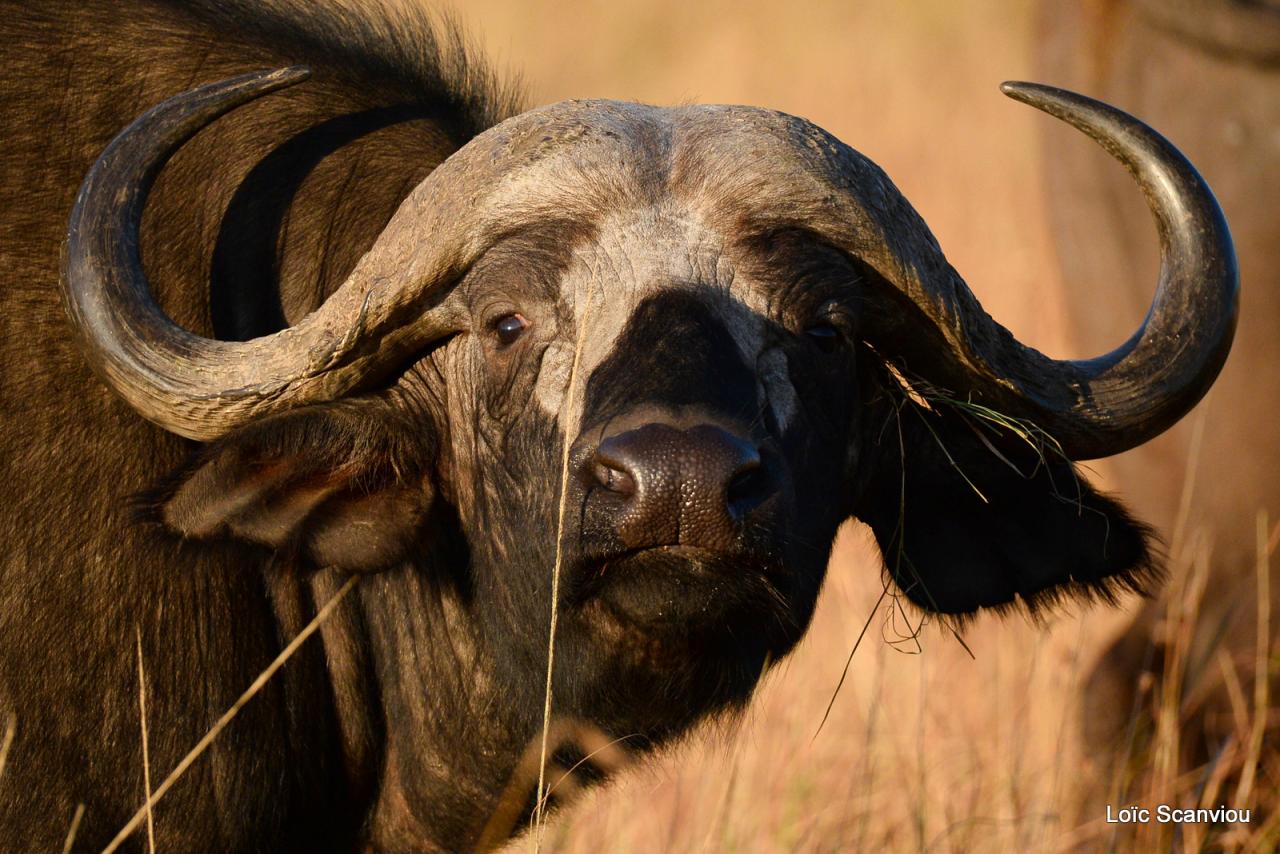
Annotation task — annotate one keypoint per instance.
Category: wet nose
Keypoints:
(691, 486)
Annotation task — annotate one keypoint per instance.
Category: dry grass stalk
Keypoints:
(146, 757)
(569, 397)
(10, 730)
(1234, 689)
(71, 831)
(844, 674)
(1180, 630)
(203, 744)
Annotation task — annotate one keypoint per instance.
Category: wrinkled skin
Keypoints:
(638, 293)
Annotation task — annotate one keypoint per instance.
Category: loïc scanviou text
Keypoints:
(1165, 814)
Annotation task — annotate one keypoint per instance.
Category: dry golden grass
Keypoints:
(70, 841)
(6, 741)
(572, 394)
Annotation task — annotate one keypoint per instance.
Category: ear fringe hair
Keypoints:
(1143, 578)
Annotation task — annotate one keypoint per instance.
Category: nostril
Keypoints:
(743, 477)
(746, 489)
(613, 479)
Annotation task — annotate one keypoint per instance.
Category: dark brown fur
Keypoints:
(75, 75)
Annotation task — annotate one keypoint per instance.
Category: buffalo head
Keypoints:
(659, 356)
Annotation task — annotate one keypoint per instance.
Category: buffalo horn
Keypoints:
(1105, 405)
(199, 387)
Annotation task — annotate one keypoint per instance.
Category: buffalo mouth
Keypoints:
(663, 636)
(679, 595)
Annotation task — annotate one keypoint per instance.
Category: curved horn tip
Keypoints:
(1034, 94)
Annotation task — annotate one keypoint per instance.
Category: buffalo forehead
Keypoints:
(587, 158)
(633, 256)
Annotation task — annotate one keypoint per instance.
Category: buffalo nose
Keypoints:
(688, 486)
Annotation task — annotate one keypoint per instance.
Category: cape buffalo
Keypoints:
(627, 365)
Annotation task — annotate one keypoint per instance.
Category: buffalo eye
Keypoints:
(825, 335)
(829, 327)
(510, 327)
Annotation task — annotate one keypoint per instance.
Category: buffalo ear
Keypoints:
(973, 514)
(343, 485)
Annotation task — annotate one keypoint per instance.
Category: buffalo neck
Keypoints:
(430, 740)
